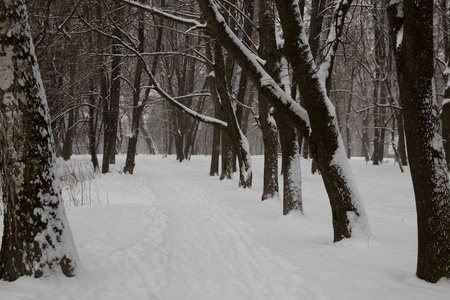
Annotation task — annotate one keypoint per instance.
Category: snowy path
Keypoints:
(210, 254)
(171, 232)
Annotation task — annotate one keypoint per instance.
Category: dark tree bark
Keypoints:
(415, 69)
(215, 152)
(138, 102)
(317, 15)
(215, 148)
(92, 131)
(379, 94)
(111, 107)
(70, 130)
(445, 116)
(268, 51)
(36, 239)
(192, 133)
(237, 140)
(347, 208)
(116, 71)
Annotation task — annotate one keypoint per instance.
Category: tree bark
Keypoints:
(36, 239)
(70, 129)
(111, 107)
(268, 51)
(415, 69)
(347, 208)
(237, 139)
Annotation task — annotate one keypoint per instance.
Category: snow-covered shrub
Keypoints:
(78, 182)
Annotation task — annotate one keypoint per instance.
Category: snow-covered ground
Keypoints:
(172, 232)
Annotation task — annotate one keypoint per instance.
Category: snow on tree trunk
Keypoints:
(236, 137)
(425, 147)
(268, 51)
(326, 142)
(37, 240)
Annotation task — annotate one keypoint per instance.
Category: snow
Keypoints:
(172, 232)
(7, 70)
(399, 39)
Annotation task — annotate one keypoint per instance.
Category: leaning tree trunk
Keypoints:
(415, 67)
(236, 138)
(346, 205)
(36, 239)
(348, 209)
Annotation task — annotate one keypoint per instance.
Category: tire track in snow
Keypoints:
(209, 255)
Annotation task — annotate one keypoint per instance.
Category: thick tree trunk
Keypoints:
(445, 116)
(36, 239)
(425, 149)
(348, 210)
(328, 149)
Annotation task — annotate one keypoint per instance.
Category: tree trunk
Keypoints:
(227, 156)
(111, 108)
(401, 138)
(415, 69)
(37, 240)
(237, 138)
(365, 136)
(70, 130)
(268, 51)
(92, 131)
(445, 116)
(328, 150)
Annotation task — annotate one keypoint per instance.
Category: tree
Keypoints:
(328, 150)
(411, 24)
(348, 210)
(36, 240)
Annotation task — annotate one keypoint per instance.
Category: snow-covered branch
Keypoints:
(250, 64)
(164, 94)
(191, 22)
(334, 34)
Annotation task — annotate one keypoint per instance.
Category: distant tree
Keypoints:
(36, 239)
(411, 23)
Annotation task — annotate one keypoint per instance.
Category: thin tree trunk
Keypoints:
(92, 134)
(268, 51)
(347, 208)
(70, 130)
(115, 98)
(237, 139)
